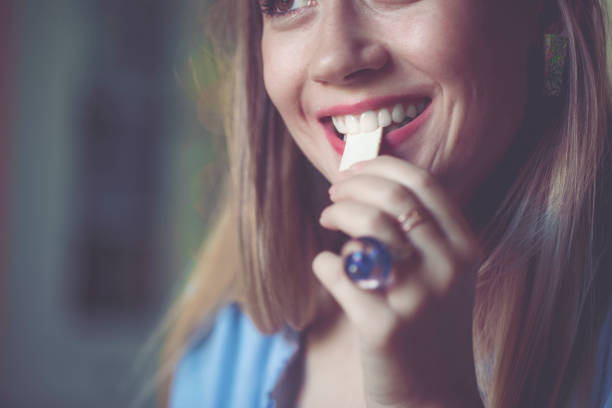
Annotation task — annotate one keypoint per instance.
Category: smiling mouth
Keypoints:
(390, 118)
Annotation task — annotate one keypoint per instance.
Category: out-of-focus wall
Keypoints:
(609, 4)
(108, 177)
(6, 42)
(104, 206)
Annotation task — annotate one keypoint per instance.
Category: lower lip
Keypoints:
(391, 140)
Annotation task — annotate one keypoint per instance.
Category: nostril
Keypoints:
(373, 59)
(352, 60)
(362, 74)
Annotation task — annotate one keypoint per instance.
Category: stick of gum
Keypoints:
(360, 147)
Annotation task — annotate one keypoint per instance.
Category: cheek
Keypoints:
(440, 42)
(272, 76)
(462, 44)
(281, 71)
(480, 113)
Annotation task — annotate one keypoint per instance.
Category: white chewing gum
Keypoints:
(360, 147)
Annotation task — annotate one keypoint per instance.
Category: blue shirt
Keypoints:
(230, 364)
(233, 365)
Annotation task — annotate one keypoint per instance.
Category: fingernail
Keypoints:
(321, 218)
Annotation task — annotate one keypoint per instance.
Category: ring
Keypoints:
(370, 268)
(411, 219)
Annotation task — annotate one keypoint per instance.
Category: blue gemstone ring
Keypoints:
(370, 268)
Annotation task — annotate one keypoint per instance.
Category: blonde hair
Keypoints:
(534, 299)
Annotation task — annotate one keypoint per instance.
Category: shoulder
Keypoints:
(592, 385)
(603, 364)
(229, 363)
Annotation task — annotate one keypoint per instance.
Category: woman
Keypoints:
(489, 193)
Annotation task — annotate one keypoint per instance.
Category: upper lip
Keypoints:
(369, 104)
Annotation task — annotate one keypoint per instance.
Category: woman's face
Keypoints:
(458, 66)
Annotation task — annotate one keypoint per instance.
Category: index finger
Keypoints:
(435, 199)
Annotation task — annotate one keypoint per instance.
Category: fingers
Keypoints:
(431, 250)
(369, 202)
(367, 310)
(374, 313)
(428, 297)
(360, 219)
(391, 197)
(423, 185)
(381, 192)
(384, 185)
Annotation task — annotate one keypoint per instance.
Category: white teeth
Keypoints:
(352, 124)
(339, 124)
(384, 118)
(371, 120)
(397, 114)
(368, 121)
(411, 112)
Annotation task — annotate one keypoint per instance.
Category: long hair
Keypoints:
(546, 241)
(535, 307)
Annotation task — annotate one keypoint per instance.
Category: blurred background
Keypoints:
(105, 175)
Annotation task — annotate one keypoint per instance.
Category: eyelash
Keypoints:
(268, 8)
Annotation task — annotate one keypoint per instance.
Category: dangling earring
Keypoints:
(555, 56)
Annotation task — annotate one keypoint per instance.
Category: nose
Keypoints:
(345, 51)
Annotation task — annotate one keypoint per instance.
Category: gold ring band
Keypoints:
(411, 219)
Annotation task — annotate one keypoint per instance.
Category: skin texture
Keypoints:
(467, 56)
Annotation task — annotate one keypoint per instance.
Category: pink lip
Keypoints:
(390, 140)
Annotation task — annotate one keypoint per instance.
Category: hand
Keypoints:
(416, 335)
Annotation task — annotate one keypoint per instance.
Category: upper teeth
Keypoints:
(371, 120)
